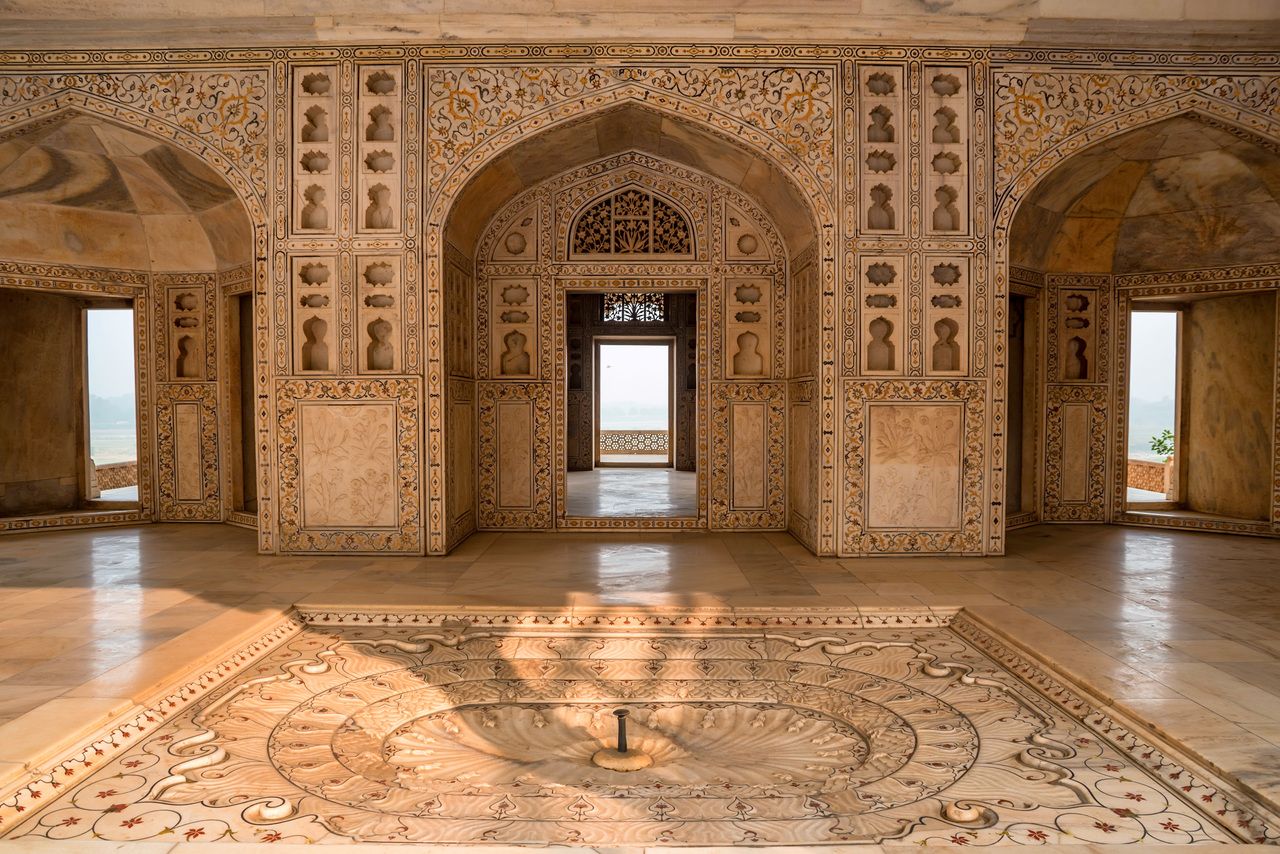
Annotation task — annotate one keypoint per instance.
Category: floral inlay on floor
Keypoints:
(765, 728)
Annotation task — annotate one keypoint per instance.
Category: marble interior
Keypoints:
(777, 727)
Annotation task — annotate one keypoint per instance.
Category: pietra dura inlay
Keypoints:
(764, 727)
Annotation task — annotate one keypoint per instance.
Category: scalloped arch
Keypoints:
(528, 153)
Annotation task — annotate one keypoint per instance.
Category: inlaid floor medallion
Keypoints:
(760, 728)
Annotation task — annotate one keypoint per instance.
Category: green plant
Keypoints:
(1163, 444)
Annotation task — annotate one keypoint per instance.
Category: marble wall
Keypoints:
(851, 216)
(41, 330)
(1229, 382)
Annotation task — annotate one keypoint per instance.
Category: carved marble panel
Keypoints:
(379, 314)
(945, 135)
(947, 299)
(514, 483)
(885, 337)
(379, 134)
(314, 143)
(884, 128)
(748, 456)
(1075, 453)
(914, 466)
(188, 461)
(313, 313)
(348, 463)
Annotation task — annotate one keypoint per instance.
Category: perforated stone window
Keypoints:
(631, 222)
(635, 308)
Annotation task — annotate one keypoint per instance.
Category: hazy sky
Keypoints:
(110, 352)
(1155, 367)
(634, 376)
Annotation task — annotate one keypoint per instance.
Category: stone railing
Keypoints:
(618, 442)
(1151, 476)
(116, 475)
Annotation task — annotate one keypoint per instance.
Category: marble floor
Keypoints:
(1179, 630)
(622, 492)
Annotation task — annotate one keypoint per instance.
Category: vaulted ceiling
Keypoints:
(86, 191)
(1179, 194)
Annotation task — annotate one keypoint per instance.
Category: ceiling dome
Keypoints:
(1176, 195)
(90, 192)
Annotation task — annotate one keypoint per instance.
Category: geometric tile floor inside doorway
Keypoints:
(765, 727)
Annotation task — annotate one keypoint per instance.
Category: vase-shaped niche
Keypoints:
(186, 367)
(945, 131)
(315, 214)
(748, 361)
(946, 216)
(380, 128)
(880, 351)
(515, 357)
(315, 350)
(880, 214)
(316, 127)
(1077, 360)
(379, 354)
(379, 213)
(946, 352)
(880, 130)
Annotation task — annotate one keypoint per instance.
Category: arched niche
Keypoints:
(734, 236)
(93, 206)
(1180, 214)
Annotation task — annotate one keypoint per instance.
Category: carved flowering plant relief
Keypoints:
(793, 106)
(349, 462)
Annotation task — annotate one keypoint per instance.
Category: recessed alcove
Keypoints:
(1165, 218)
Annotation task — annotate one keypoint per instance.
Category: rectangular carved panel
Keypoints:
(514, 477)
(187, 445)
(748, 468)
(349, 465)
(1075, 453)
(187, 474)
(462, 459)
(914, 466)
(748, 488)
(515, 454)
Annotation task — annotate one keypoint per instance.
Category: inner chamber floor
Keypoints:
(1177, 629)
(623, 492)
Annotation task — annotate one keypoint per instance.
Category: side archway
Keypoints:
(108, 207)
(1173, 209)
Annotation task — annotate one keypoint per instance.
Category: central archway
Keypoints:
(578, 159)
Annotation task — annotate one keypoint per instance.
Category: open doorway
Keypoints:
(634, 412)
(1022, 491)
(1151, 480)
(240, 399)
(111, 401)
(632, 400)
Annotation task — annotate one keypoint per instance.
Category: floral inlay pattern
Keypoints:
(225, 109)
(770, 728)
(792, 106)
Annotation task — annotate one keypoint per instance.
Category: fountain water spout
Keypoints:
(621, 758)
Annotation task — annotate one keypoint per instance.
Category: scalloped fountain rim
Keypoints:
(1241, 815)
